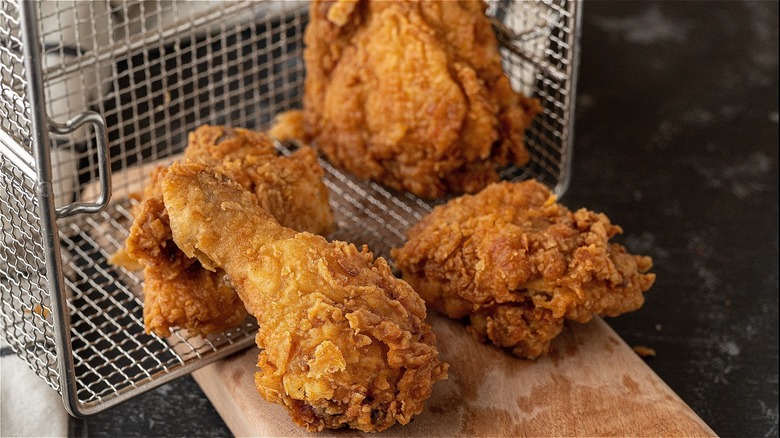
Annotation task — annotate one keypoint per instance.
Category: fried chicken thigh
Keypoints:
(178, 292)
(343, 342)
(411, 94)
(517, 264)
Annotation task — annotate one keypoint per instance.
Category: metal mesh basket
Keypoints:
(132, 78)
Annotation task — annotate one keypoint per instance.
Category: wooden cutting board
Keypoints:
(591, 384)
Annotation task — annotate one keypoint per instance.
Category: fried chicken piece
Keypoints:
(178, 292)
(411, 94)
(290, 188)
(343, 342)
(517, 264)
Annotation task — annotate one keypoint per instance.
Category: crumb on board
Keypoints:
(644, 351)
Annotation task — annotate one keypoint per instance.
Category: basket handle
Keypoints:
(104, 167)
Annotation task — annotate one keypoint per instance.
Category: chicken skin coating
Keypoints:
(178, 292)
(290, 188)
(517, 264)
(343, 342)
(411, 94)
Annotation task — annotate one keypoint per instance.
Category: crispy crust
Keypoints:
(343, 342)
(412, 94)
(517, 264)
(178, 292)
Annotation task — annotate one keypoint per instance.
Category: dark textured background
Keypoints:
(677, 141)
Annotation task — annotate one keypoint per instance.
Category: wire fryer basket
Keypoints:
(141, 74)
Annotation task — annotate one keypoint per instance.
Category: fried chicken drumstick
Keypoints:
(411, 94)
(517, 264)
(178, 292)
(343, 342)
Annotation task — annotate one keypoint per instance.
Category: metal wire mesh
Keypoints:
(537, 39)
(26, 318)
(155, 70)
(14, 112)
(26, 321)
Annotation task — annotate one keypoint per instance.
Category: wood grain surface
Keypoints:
(592, 384)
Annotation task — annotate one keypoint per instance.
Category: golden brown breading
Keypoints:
(343, 342)
(215, 144)
(288, 126)
(178, 292)
(517, 264)
(290, 188)
(411, 94)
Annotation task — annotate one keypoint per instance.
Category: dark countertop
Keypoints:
(676, 141)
